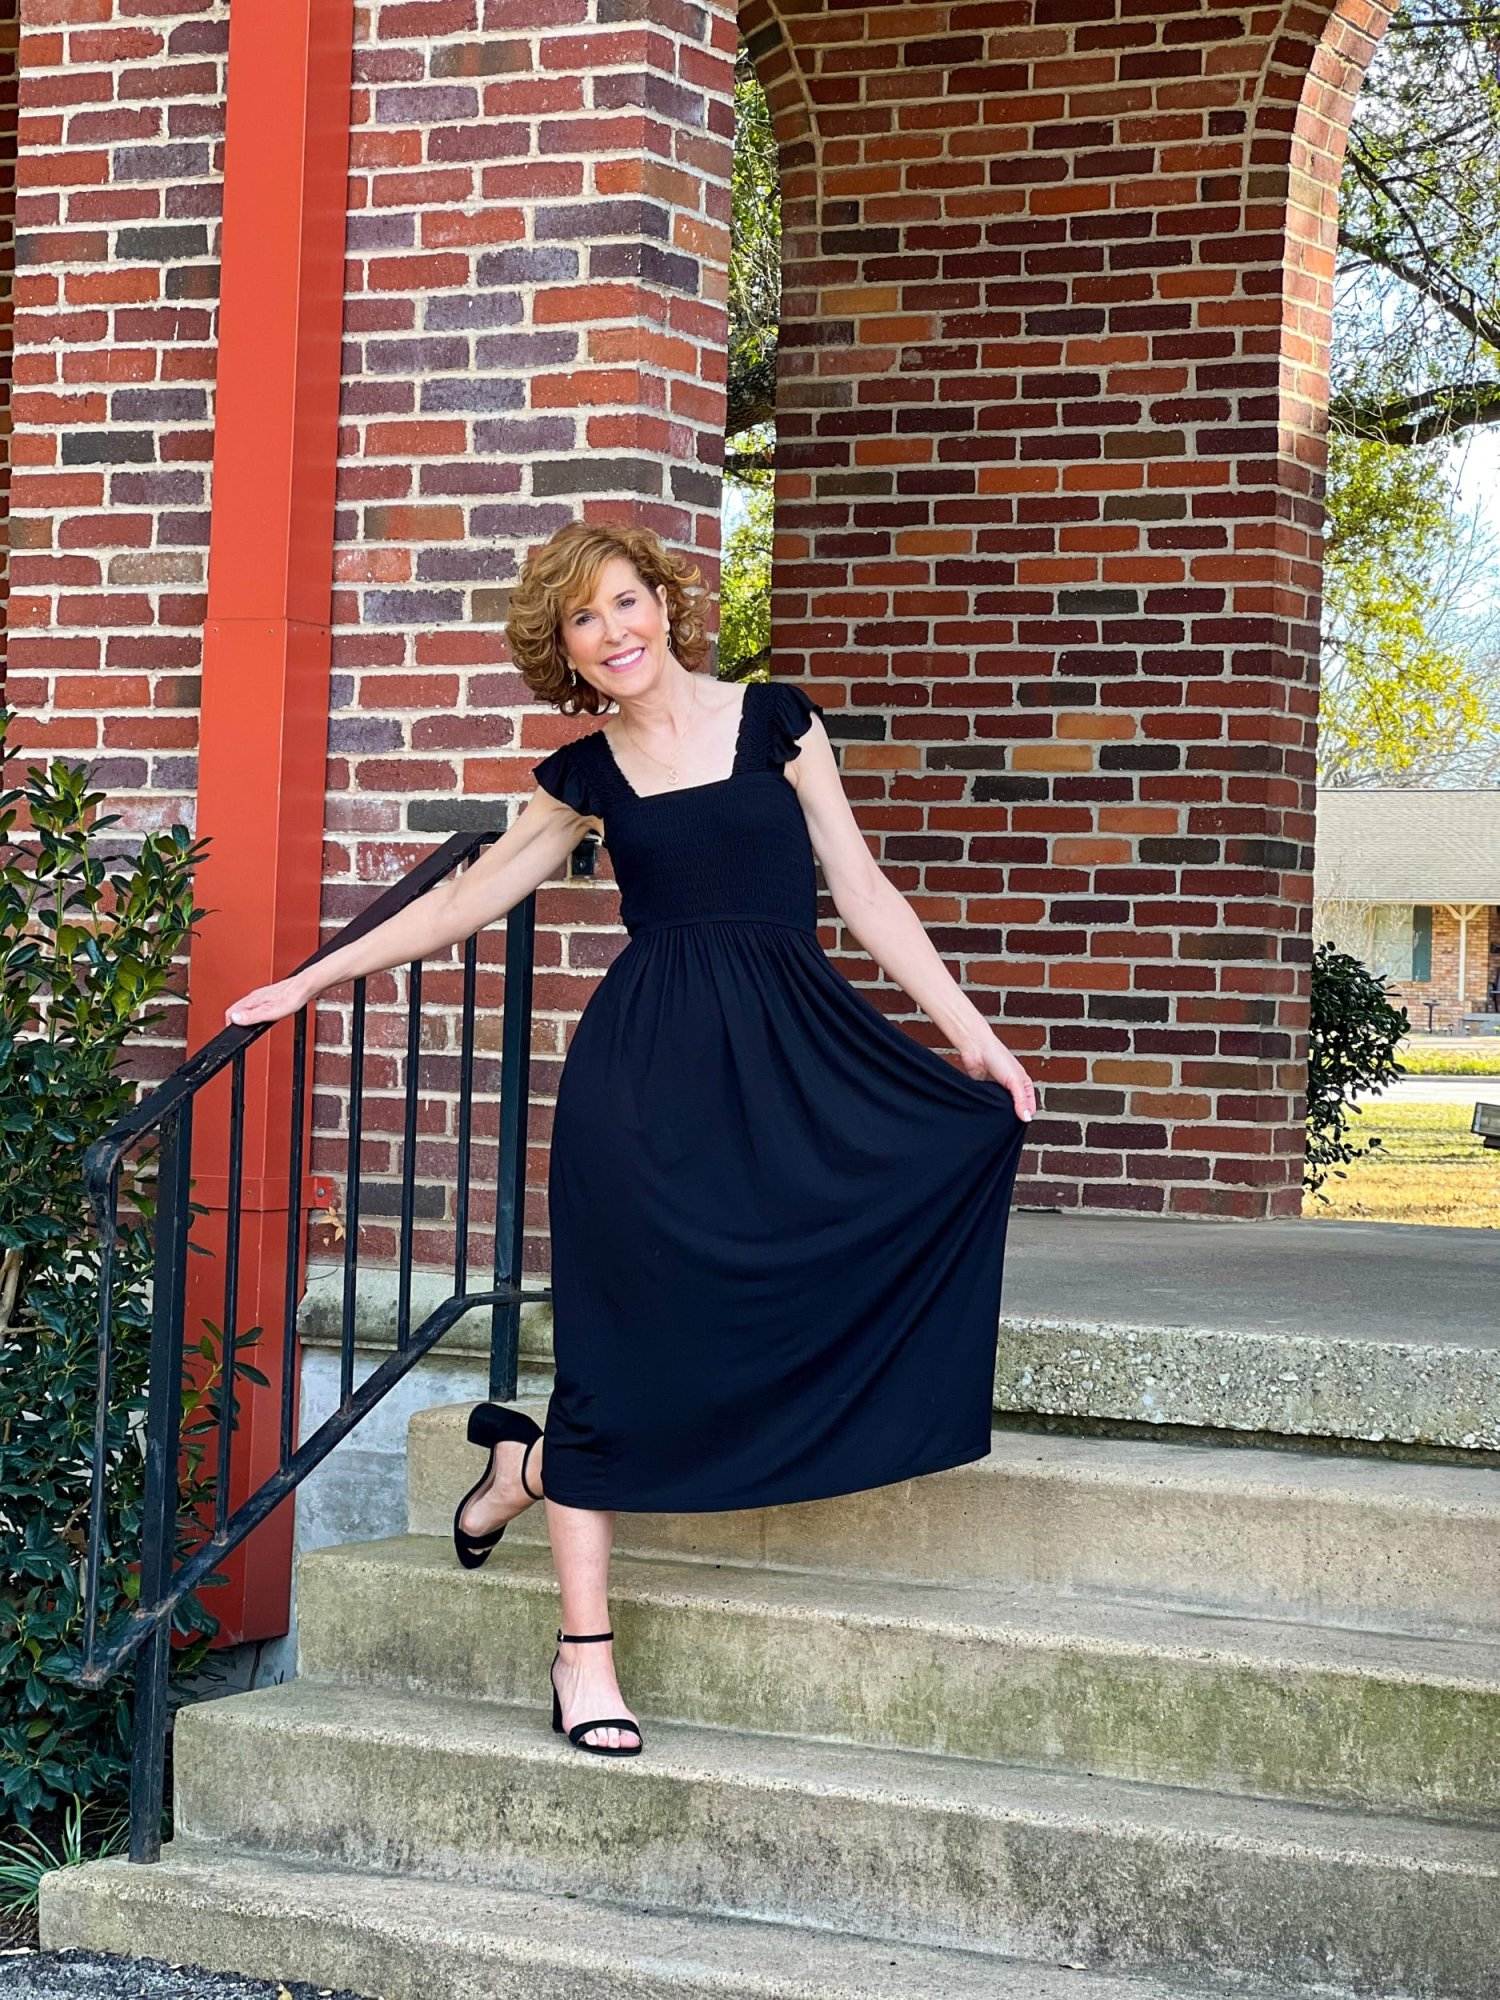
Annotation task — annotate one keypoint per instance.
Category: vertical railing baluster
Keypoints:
(159, 1509)
(351, 1191)
(409, 1154)
(95, 1554)
(465, 1117)
(510, 1191)
(293, 1236)
(231, 1284)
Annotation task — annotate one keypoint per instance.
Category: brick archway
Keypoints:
(1053, 372)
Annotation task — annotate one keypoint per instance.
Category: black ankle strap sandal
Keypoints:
(524, 1456)
(581, 1729)
(489, 1424)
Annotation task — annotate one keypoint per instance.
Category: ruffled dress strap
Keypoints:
(568, 773)
(789, 713)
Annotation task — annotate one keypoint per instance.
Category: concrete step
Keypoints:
(1289, 1534)
(897, 1844)
(1388, 1722)
(408, 1939)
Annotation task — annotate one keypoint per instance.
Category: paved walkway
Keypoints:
(1435, 1090)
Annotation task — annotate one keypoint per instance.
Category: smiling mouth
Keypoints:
(624, 660)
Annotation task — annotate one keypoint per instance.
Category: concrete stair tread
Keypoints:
(261, 1915)
(462, 1733)
(1209, 1468)
(969, 1611)
(1216, 1468)
(1295, 1535)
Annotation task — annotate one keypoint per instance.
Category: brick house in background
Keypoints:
(1409, 882)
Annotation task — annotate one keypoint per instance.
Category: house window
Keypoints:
(1421, 942)
(1392, 941)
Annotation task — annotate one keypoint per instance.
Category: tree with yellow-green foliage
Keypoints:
(754, 318)
(1400, 701)
(1411, 668)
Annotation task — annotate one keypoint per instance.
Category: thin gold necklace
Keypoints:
(670, 769)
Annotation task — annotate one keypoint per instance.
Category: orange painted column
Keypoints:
(264, 732)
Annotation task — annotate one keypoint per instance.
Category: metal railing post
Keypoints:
(510, 1190)
(159, 1509)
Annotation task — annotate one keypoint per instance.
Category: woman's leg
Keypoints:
(581, 1538)
(586, 1684)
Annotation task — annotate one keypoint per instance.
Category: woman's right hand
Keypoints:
(270, 1003)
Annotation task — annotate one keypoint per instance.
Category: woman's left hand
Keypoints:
(988, 1056)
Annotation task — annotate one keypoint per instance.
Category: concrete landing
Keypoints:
(1390, 1281)
(1336, 1280)
(1370, 1331)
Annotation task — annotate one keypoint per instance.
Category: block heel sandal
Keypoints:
(581, 1729)
(490, 1424)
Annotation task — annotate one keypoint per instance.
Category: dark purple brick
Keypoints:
(456, 312)
(412, 607)
(472, 393)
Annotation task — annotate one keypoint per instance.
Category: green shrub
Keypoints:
(1353, 1032)
(83, 954)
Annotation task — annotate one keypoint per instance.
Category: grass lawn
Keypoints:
(1429, 1167)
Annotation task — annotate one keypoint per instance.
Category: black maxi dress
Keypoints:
(778, 1220)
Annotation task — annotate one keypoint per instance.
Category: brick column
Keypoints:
(535, 328)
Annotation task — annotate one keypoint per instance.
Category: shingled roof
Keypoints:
(1399, 844)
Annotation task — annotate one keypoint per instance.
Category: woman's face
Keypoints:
(618, 640)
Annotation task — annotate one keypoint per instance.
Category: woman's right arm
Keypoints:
(527, 854)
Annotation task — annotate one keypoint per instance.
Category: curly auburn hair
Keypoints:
(560, 575)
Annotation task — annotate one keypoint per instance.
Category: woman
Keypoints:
(777, 1219)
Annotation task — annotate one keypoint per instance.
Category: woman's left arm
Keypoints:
(885, 925)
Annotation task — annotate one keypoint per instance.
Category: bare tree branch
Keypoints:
(1418, 419)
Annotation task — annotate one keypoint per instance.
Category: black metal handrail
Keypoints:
(146, 1631)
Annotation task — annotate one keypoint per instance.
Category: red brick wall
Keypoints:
(1050, 471)
(1055, 319)
(121, 112)
(116, 208)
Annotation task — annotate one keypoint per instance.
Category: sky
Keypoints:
(1479, 480)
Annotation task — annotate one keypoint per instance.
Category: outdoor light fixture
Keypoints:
(1486, 1122)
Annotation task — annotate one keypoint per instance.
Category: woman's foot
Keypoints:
(503, 1497)
(584, 1677)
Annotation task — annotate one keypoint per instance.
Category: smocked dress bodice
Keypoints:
(736, 848)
